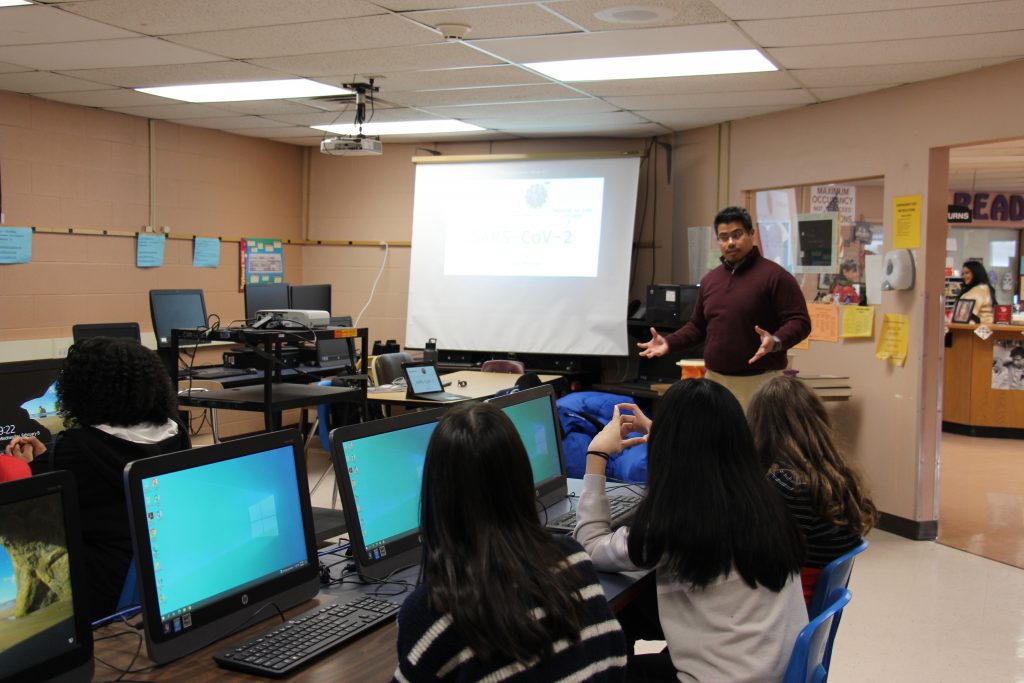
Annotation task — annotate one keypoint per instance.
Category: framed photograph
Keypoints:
(962, 311)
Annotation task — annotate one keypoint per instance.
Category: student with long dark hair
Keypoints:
(499, 597)
(118, 405)
(797, 447)
(726, 551)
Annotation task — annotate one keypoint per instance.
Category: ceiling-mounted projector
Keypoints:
(352, 146)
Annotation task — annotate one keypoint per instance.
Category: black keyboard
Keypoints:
(218, 372)
(311, 634)
(620, 506)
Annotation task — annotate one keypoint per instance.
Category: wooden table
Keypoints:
(369, 658)
(478, 385)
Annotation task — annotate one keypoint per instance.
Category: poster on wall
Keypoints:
(841, 199)
(1008, 365)
(15, 245)
(262, 261)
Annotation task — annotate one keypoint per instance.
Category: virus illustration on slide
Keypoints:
(536, 196)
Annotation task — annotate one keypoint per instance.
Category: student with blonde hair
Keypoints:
(797, 447)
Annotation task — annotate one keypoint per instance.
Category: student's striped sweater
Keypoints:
(430, 648)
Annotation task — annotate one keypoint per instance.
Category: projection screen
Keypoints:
(527, 256)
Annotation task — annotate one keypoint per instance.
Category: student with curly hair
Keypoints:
(499, 597)
(726, 552)
(797, 447)
(118, 405)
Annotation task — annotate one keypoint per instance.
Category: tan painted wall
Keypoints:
(892, 424)
(65, 166)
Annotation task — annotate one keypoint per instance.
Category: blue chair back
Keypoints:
(323, 416)
(834, 576)
(808, 663)
(130, 590)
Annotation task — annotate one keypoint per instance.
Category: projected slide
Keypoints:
(531, 256)
(523, 227)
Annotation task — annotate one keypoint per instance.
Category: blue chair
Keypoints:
(834, 577)
(808, 663)
(130, 590)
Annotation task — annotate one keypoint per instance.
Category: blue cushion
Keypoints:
(630, 466)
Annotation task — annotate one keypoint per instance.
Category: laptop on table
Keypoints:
(423, 383)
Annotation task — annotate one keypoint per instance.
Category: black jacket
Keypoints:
(97, 460)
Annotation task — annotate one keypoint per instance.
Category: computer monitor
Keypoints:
(265, 297)
(219, 534)
(380, 474)
(45, 633)
(176, 309)
(310, 297)
(28, 400)
(120, 330)
(535, 417)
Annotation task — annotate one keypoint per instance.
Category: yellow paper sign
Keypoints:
(824, 322)
(892, 340)
(858, 321)
(906, 214)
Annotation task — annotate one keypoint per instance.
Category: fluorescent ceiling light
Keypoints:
(243, 92)
(655, 66)
(12, 3)
(402, 127)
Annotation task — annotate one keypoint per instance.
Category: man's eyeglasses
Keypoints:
(735, 235)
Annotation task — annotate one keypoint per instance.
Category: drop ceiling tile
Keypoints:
(415, 5)
(463, 96)
(599, 131)
(100, 54)
(235, 122)
(615, 15)
(268, 107)
(768, 80)
(618, 43)
(12, 68)
(758, 9)
(498, 22)
(272, 132)
(33, 24)
(444, 79)
(886, 73)
(710, 100)
(825, 94)
(107, 99)
(1009, 45)
(174, 111)
(551, 108)
(176, 74)
(371, 62)
(327, 118)
(684, 119)
(866, 27)
(43, 81)
(159, 17)
(309, 38)
(589, 122)
(334, 105)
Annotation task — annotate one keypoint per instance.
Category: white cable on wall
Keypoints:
(374, 288)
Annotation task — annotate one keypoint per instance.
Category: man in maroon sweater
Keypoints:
(749, 311)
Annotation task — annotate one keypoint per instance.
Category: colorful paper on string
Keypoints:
(858, 321)
(149, 250)
(206, 252)
(892, 340)
(15, 245)
(824, 322)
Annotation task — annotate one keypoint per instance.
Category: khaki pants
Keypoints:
(742, 387)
